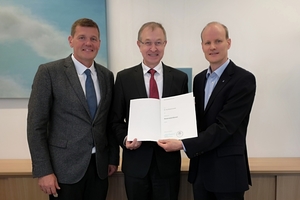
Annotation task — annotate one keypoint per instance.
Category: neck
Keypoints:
(215, 66)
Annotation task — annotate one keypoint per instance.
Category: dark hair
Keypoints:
(84, 22)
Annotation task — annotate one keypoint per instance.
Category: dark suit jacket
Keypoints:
(60, 130)
(129, 85)
(219, 155)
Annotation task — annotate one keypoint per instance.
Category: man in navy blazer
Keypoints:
(149, 171)
(224, 95)
(72, 152)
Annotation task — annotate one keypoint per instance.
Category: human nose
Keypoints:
(88, 42)
(153, 47)
(212, 46)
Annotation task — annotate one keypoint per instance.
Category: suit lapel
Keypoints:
(224, 79)
(102, 86)
(139, 80)
(167, 81)
(201, 89)
(72, 76)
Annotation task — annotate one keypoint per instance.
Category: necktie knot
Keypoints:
(152, 71)
(87, 72)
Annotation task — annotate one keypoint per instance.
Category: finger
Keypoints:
(42, 189)
(53, 190)
(57, 186)
(161, 141)
(48, 191)
(133, 142)
(128, 146)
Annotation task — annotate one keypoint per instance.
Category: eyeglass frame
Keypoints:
(149, 43)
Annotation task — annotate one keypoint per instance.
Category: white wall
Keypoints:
(13, 139)
(265, 40)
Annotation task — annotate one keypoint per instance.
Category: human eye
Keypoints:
(148, 43)
(94, 39)
(81, 37)
(158, 43)
(218, 41)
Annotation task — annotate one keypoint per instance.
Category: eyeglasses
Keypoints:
(149, 44)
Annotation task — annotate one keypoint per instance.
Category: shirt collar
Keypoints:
(158, 68)
(218, 71)
(80, 68)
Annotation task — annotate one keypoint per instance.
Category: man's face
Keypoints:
(215, 45)
(152, 46)
(85, 44)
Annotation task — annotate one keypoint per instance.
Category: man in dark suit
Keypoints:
(149, 171)
(224, 94)
(72, 149)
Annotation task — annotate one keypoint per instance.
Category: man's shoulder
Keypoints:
(232, 67)
(57, 63)
(201, 74)
(129, 70)
(177, 72)
(103, 69)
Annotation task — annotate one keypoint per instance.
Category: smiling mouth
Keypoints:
(88, 50)
(153, 54)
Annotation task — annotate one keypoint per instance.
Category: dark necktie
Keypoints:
(153, 90)
(90, 93)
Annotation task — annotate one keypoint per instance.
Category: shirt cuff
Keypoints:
(184, 149)
(124, 141)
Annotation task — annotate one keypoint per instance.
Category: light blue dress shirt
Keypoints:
(212, 79)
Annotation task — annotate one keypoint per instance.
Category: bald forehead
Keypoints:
(151, 29)
(215, 26)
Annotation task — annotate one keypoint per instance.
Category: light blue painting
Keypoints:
(35, 32)
(188, 71)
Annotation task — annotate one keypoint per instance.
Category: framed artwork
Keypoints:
(188, 71)
(35, 32)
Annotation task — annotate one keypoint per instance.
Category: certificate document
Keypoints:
(167, 118)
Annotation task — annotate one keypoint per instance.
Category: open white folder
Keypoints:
(167, 118)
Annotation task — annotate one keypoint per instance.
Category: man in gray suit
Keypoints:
(72, 149)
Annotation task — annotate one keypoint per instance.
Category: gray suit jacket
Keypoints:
(60, 131)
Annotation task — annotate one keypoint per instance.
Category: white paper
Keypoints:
(167, 118)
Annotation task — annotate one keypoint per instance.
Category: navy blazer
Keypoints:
(129, 85)
(60, 130)
(219, 154)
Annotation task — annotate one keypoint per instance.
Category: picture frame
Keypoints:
(36, 32)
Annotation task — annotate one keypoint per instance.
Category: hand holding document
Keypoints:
(167, 118)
